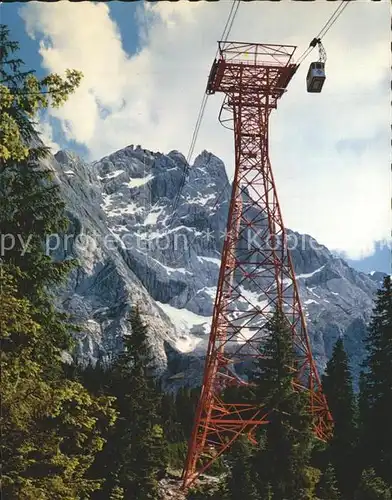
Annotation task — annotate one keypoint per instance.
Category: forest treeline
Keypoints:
(109, 431)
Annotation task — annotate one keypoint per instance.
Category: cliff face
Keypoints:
(134, 249)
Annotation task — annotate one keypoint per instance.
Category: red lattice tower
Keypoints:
(256, 275)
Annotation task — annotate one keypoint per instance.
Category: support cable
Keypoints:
(327, 26)
(226, 32)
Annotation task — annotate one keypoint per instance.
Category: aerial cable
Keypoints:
(328, 25)
(227, 22)
(321, 34)
(344, 4)
(226, 32)
(225, 35)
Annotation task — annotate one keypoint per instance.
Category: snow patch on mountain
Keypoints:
(186, 321)
(309, 275)
(209, 259)
(112, 175)
(138, 182)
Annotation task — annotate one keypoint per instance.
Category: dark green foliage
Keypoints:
(148, 455)
(376, 388)
(282, 461)
(177, 453)
(327, 488)
(342, 449)
(51, 426)
(372, 487)
(30, 205)
(117, 493)
(21, 96)
(186, 403)
(173, 429)
(208, 492)
(30, 210)
(136, 454)
(241, 483)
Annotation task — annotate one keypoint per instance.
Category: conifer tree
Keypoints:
(342, 449)
(135, 456)
(241, 484)
(172, 427)
(376, 388)
(208, 492)
(51, 427)
(372, 487)
(117, 493)
(186, 402)
(327, 488)
(22, 95)
(282, 462)
(51, 430)
(31, 208)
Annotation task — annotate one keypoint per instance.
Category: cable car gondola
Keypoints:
(316, 77)
(316, 74)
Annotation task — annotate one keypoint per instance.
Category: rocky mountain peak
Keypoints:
(143, 249)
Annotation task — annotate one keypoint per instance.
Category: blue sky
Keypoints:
(380, 260)
(146, 66)
(124, 14)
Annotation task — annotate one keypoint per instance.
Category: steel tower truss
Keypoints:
(256, 275)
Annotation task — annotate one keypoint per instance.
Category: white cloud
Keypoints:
(328, 187)
(46, 134)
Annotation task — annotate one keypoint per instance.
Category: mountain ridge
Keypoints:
(168, 263)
